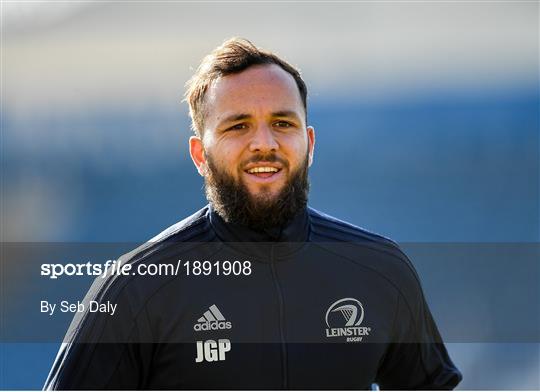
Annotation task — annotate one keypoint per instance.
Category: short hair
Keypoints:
(233, 56)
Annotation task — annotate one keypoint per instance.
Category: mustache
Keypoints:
(269, 157)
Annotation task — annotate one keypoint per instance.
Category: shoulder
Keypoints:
(191, 230)
(366, 249)
(187, 229)
(329, 228)
(188, 234)
(191, 235)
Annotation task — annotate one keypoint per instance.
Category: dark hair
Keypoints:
(233, 56)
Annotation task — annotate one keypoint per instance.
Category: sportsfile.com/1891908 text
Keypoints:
(118, 267)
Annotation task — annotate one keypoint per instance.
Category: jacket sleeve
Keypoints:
(104, 351)
(416, 357)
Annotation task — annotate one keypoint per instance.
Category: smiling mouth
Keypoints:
(263, 171)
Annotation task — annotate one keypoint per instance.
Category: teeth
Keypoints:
(263, 170)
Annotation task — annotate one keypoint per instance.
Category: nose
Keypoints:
(263, 140)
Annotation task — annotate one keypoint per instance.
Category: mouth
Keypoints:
(263, 172)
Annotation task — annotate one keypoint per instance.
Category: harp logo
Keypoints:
(344, 318)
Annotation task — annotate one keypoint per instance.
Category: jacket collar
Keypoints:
(268, 245)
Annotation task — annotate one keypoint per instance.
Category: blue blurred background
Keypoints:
(426, 117)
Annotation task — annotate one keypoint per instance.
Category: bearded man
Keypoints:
(269, 293)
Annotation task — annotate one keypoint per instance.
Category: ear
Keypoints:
(196, 150)
(311, 143)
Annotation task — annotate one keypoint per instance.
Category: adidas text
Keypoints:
(212, 325)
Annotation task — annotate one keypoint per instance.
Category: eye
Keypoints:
(237, 127)
(283, 124)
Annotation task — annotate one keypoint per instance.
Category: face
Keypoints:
(255, 133)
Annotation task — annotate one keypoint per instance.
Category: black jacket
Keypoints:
(323, 305)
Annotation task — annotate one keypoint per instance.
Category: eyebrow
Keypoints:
(246, 116)
(286, 113)
(235, 117)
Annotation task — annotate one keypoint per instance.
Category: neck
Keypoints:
(295, 229)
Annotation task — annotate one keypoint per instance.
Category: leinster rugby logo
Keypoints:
(343, 319)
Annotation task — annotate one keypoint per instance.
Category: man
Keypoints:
(271, 294)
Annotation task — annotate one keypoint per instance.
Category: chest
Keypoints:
(292, 324)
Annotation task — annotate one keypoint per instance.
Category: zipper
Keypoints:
(281, 320)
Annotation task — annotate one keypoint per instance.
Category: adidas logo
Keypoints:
(211, 320)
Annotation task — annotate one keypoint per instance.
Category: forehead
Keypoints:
(258, 88)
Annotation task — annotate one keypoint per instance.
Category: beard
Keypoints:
(232, 200)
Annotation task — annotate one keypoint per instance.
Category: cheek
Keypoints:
(225, 156)
(296, 149)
